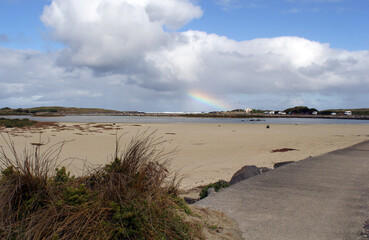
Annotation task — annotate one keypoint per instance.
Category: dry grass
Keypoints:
(133, 197)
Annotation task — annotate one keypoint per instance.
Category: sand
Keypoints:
(204, 152)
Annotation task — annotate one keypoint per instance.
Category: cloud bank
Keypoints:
(129, 54)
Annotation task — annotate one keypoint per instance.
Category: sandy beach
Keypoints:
(204, 153)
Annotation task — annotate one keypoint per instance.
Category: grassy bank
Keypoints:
(53, 111)
(133, 197)
(20, 123)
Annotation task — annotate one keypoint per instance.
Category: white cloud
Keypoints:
(119, 55)
(111, 34)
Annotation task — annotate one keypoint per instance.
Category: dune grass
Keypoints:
(133, 197)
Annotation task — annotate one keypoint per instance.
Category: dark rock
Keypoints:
(280, 164)
(264, 169)
(190, 200)
(365, 232)
(244, 173)
(284, 150)
(267, 126)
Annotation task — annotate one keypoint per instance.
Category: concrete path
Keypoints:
(324, 197)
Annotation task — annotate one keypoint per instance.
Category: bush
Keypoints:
(217, 186)
(11, 123)
(300, 110)
(133, 197)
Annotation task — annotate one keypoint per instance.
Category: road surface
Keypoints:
(324, 197)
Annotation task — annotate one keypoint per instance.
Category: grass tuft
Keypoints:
(217, 186)
(133, 197)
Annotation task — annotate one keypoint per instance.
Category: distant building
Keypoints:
(248, 110)
(333, 114)
(349, 113)
(315, 113)
(282, 113)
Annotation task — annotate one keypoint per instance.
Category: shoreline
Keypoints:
(205, 152)
(223, 115)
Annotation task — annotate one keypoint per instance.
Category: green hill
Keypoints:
(52, 111)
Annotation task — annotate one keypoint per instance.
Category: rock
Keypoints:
(267, 126)
(280, 164)
(284, 150)
(211, 191)
(190, 200)
(244, 173)
(264, 169)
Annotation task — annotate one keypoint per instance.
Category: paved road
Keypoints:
(324, 197)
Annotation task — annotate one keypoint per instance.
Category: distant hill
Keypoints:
(53, 111)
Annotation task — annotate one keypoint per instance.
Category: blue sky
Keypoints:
(150, 55)
(341, 23)
(20, 22)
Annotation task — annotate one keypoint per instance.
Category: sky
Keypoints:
(184, 55)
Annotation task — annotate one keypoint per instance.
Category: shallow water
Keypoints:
(140, 119)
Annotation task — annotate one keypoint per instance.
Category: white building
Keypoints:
(348, 113)
(248, 110)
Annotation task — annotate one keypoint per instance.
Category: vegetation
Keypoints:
(325, 112)
(217, 186)
(133, 197)
(52, 111)
(300, 110)
(306, 110)
(243, 111)
(258, 111)
(359, 111)
(11, 123)
(238, 110)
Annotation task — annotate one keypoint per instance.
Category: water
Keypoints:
(168, 120)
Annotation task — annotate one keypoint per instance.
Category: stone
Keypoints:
(244, 173)
(190, 200)
(211, 191)
(264, 169)
(280, 164)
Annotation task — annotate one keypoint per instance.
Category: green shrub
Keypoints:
(11, 123)
(76, 196)
(217, 186)
(62, 176)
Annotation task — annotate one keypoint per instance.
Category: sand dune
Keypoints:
(204, 152)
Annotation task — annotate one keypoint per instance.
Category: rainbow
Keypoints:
(207, 100)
